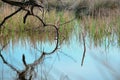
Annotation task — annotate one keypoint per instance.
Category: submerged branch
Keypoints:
(84, 52)
(23, 59)
(30, 67)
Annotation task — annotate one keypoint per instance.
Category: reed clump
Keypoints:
(101, 28)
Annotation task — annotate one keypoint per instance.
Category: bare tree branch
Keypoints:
(22, 4)
(10, 16)
(29, 68)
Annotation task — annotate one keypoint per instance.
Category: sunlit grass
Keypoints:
(96, 28)
(100, 28)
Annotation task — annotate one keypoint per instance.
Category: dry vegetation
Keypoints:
(102, 20)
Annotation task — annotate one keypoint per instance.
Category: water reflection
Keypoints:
(100, 63)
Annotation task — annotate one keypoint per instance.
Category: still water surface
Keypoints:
(100, 63)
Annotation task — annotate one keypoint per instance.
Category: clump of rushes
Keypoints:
(100, 28)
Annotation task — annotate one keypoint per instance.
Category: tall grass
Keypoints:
(105, 25)
(14, 26)
(102, 28)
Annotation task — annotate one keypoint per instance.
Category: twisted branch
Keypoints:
(29, 68)
(22, 6)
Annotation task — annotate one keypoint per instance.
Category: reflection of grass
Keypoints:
(43, 35)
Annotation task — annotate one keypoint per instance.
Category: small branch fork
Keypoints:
(30, 67)
(22, 7)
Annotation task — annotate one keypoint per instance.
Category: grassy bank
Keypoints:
(33, 29)
(16, 22)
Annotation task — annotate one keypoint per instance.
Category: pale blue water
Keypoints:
(99, 64)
